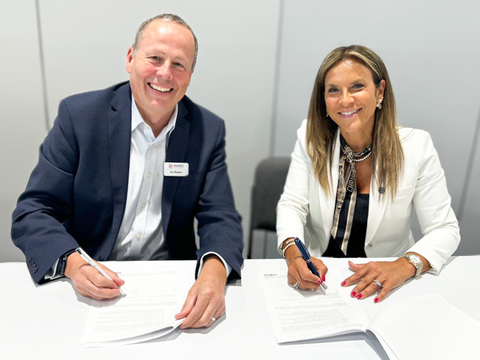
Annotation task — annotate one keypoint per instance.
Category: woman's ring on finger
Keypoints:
(378, 284)
(296, 285)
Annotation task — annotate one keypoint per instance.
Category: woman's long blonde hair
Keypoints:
(387, 153)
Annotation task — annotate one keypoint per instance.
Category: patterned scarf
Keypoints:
(346, 194)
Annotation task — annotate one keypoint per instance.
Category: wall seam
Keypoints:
(276, 79)
(470, 165)
(42, 66)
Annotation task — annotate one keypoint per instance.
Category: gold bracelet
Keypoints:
(286, 247)
(286, 242)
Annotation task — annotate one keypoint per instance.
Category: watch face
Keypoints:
(415, 261)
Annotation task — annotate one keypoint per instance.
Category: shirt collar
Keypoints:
(137, 120)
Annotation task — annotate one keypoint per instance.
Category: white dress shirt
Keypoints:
(141, 236)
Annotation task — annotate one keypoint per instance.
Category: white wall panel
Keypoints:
(470, 212)
(22, 112)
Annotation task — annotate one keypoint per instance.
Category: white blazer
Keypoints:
(306, 211)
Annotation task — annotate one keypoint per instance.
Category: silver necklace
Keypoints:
(365, 153)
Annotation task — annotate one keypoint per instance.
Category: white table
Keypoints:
(47, 322)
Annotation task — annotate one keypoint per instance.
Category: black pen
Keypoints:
(306, 256)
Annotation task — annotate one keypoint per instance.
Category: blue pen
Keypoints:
(306, 256)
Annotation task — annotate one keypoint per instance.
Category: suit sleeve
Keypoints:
(441, 234)
(293, 207)
(47, 201)
(219, 224)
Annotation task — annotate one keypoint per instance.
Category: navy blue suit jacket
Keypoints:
(76, 194)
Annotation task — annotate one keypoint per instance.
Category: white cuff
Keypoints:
(228, 268)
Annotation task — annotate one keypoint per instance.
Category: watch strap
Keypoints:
(62, 263)
(416, 262)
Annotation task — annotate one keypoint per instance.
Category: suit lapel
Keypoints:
(176, 151)
(330, 198)
(119, 138)
(376, 209)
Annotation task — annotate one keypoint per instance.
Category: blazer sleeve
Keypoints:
(432, 202)
(47, 201)
(293, 206)
(219, 223)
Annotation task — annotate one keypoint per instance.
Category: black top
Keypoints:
(356, 243)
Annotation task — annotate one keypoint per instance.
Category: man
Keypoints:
(124, 172)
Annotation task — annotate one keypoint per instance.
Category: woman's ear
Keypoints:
(381, 89)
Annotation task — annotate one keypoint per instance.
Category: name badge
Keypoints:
(175, 169)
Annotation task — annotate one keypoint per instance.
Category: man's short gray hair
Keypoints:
(165, 17)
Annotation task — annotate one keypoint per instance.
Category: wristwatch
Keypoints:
(415, 261)
(62, 263)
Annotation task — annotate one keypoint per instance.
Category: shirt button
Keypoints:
(370, 245)
(148, 175)
(142, 205)
(138, 236)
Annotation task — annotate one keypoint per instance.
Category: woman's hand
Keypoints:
(299, 275)
(388, 274)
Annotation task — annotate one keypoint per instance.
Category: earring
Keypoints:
(327, 114)
(379, 105)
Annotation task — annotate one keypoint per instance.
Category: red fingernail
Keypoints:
(376, 300)
(323, 277)
(359, 296)
(353, 294)
(343, 283)
(319, 282)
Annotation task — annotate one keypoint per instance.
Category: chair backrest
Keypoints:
(270, 176)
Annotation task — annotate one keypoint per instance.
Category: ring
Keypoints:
(213, 319)
(296, 285)
(378, 284)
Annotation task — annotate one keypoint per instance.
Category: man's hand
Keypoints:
(89, 282)
(206, 299)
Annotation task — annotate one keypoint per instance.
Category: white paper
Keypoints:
(420, 327)
(146, 312)
(427, 327)
(302, 315)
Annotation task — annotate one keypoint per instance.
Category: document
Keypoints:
(421, 327)
(146, 311)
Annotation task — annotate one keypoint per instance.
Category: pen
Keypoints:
(92, 262)
(306, 256)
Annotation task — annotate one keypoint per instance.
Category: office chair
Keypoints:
(270, 176)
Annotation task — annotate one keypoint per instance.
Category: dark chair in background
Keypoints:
(270, 176)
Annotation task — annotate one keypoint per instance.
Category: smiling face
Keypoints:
(351, 98)
(160, 69)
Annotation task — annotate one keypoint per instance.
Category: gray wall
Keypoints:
(256, 67)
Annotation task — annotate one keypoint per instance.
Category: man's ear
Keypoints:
(128, 61)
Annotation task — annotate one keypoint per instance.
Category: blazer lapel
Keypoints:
(176, 152)
(330, 198)
(376, 210)
(119, 138)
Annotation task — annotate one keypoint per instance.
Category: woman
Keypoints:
(355, 177)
